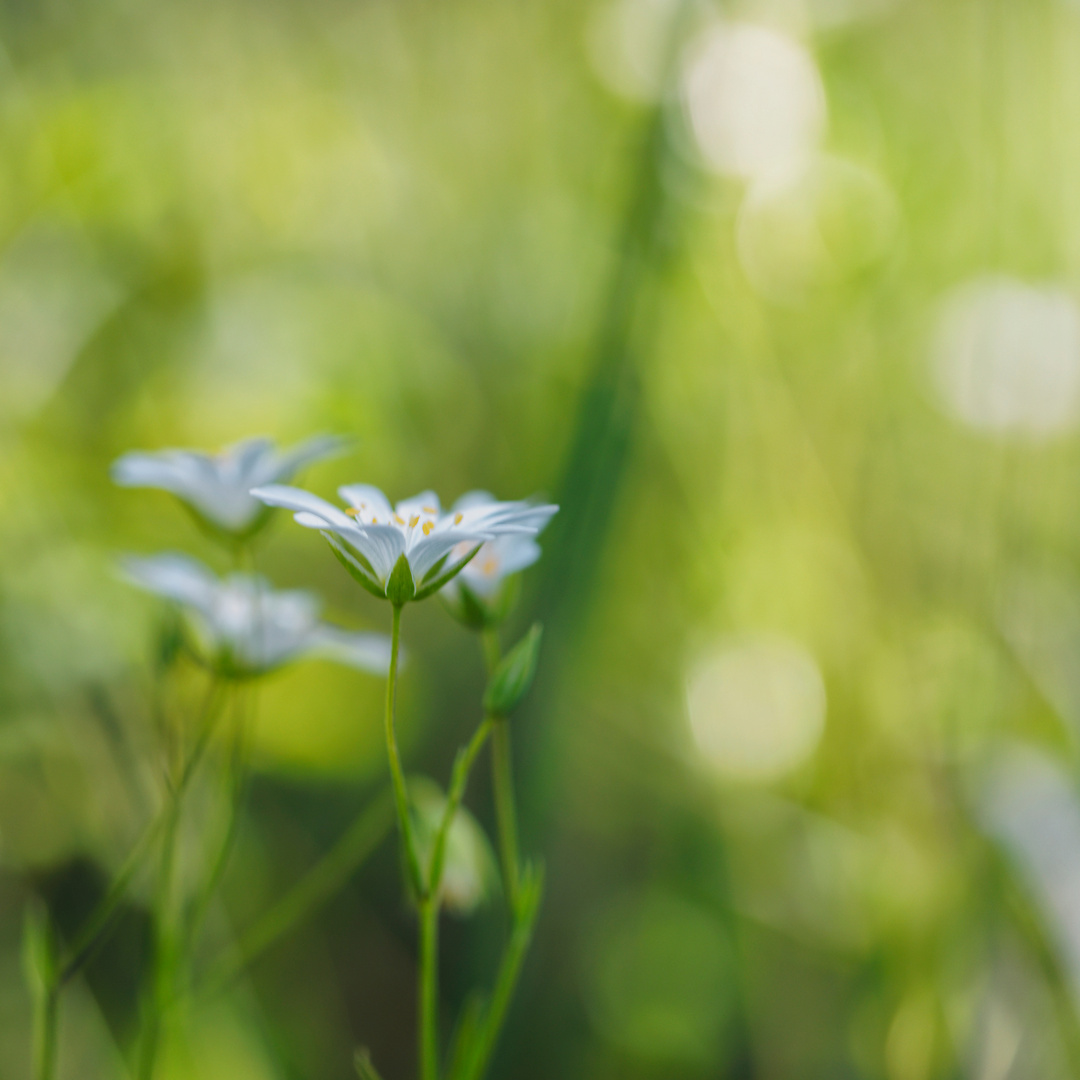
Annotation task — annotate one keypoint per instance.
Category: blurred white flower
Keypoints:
(481, 581)
(217, 487)
(1006, 356)
(1029, 805)
(469, 871)
(246, 627)
(425, 546)
(755, 100)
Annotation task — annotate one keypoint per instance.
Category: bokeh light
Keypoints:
(757, 707)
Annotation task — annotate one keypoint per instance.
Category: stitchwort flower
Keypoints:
(242, 626)
(409, 551)
(481, 595)
(216, 488)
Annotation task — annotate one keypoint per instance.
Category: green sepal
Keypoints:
(358, 575)
(435, 570)
(438, 583)
(41, 951)
(511, 680)
(401, 588)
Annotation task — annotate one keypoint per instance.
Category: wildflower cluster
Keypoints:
(239, 628)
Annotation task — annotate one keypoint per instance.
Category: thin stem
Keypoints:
(429, 988)
(479, 1055)
(429, 906)
(235, 784)
(314, 889)
(503, 784)
(505, 811)
(48, 1022)
(401, 794)
(459, 779)
(166, 940)
(93, 932)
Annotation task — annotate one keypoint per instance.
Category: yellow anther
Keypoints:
(428, 526)
(374, 520)
(457, 518)
(413, 520)
(429, 509)
(490, 566)
(352, 512)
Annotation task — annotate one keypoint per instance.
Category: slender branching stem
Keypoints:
(401, 794)
(166, 940)
(502, 779)
(314, 889)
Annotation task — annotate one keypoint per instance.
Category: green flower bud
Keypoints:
(511, 680)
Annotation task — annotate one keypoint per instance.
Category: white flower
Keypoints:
(247, 627)
(409, 551)
(502, 557)
(217, 487)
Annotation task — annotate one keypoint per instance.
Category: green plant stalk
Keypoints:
(479, 1054)
(166, 940)
(429, 907)
(503, 784)
(429, 988)
(401, 794)
(47, 1024)
(308, 894)
(235, 783)
(101, 917)
(458, 782)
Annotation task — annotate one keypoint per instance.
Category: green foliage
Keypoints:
(511, 680)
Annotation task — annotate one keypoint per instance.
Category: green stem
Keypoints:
(503, 784)
(459, 779)
(479, 1055)
(401, 794)
(505, 812)
(101, 917)
(313, 890)
(235, 782)
(429, 988)
(429, 907)
(166, 941)
(48, 1022)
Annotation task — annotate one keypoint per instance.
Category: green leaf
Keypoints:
(511, 680)
(401, 588)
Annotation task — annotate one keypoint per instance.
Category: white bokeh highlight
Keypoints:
(1006, 357)
(756, 707)
(755, 101)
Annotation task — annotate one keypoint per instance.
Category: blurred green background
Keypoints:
(778, 299)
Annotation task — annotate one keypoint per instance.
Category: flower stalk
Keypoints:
(401, 793)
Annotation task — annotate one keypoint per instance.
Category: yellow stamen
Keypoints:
(428, 526)
(490, 566)
(429, 509)
(413, 520)
(399, 520)
(457, 518)
(352, 512)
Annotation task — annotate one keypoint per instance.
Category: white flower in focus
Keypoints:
(481, 581)
(245, 626)
(409, 551)
(218, 487)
